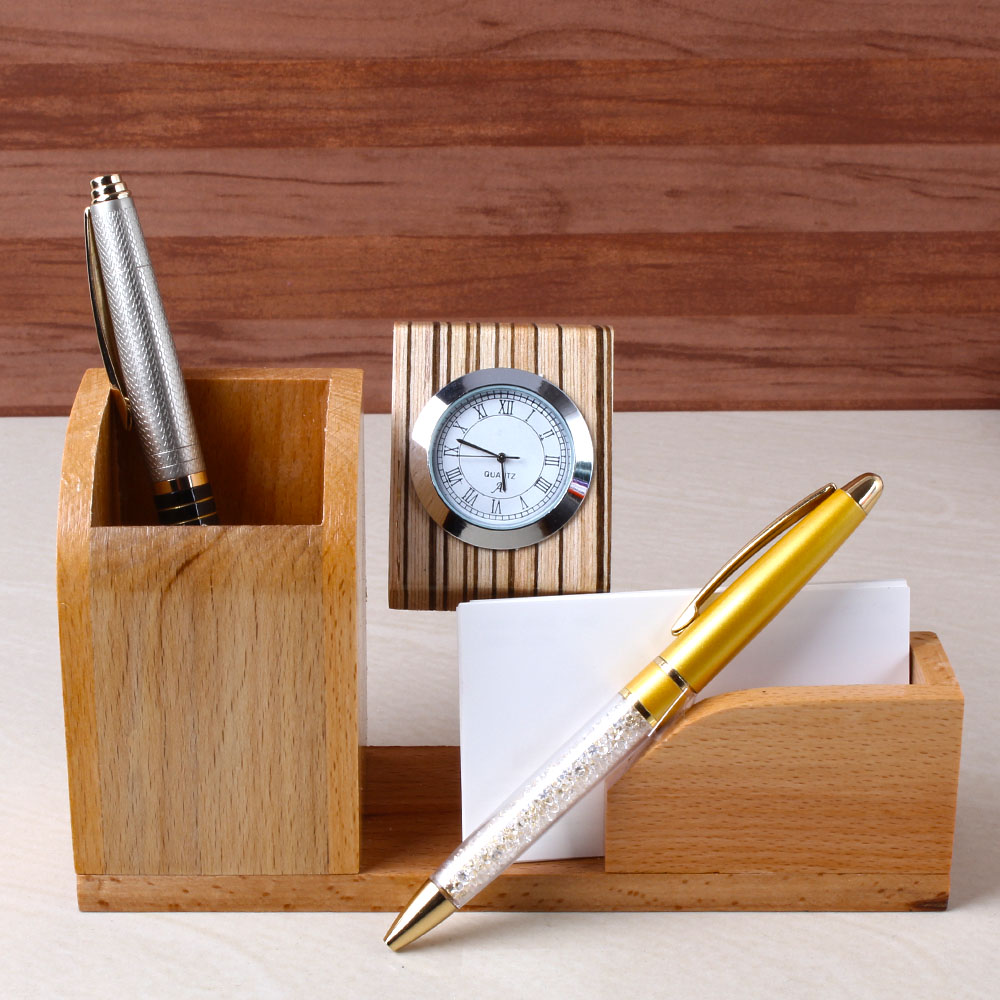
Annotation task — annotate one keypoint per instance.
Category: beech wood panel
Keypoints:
(323, 29)
(84, 460)
(180, 698)
(211, 678)
(412, 821)
(576, 886)
(811, 779)
(401, 102)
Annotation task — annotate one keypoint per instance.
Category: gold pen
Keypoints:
(709, 632)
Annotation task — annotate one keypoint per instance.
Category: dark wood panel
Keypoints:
(103, 30)
(809, 362)
(528, 276)
(792, 204)
(675, 363)
(44, 361)
(379, 102)
(516, 191)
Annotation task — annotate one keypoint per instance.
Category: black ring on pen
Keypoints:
(191, 505)
(188, 494)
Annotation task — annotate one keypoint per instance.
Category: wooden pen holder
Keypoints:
(214, 676)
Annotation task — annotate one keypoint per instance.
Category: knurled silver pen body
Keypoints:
(140, 356)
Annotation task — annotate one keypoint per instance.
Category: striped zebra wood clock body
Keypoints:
(428, 568)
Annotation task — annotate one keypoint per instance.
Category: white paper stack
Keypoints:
(532, 671)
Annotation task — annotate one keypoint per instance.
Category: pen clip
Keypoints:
(102, 320)
(777, 527)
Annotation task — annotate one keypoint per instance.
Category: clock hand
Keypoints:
(501, 458)
(492, 454)
(478, 448)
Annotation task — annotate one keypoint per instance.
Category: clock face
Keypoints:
(501, 458)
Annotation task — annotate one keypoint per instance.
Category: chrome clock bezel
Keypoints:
(422, 438)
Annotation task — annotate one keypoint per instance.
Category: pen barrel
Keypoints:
(617, 733)
(148, 361)
(729, 622)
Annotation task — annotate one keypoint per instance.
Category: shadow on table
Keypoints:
(975, 866)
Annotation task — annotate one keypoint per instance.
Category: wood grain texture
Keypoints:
(412, 821)
(212, 741)
(821, 779)
(212, 677)
(400, 102)
(496, 29)
(341, 162)
(662, 363)
(515, 191)
(578, 886)
(430, 570)
(678, 274)
(83, 458)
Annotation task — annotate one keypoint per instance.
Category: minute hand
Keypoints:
(492, 454)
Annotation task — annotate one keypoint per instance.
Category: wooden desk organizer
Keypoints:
(833, 798)
(214, 676)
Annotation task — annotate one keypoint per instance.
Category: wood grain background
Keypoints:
(789, 205)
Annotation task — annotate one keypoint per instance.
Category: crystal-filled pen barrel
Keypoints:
(587, 759)
(618, 732)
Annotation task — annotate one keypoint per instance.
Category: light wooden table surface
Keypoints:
(689, 489)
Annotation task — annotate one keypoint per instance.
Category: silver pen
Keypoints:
(139, 355)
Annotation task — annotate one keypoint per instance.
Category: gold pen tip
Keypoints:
(426, 910)
(865, 490)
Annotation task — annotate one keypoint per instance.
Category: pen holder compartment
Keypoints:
(263, 434)
(214, 676)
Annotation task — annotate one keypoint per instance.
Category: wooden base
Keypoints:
(405, 838)
(582, 886)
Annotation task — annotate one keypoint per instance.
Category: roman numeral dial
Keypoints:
(501, 457)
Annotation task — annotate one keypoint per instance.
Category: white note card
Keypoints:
(533, 670)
